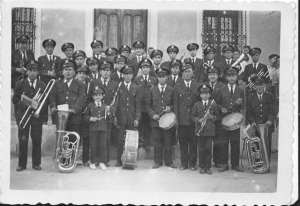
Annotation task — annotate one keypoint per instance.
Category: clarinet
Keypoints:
(203, 122)
(113, 101)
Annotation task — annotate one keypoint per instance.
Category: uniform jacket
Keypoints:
(198, 69)
(199, 111)
(92, 77)
(101, 59)
(74, 97)
(110, 92)
(215, 64)
(166, 64)
(46, 66)
(151, 73)
(249, 69)
(93, 110)
(223, 64)
(87, 88)
(128, 104)
(260, 111)
(135, 65)
(184, 101)
(152, 81)
(228, 101)
(217, 92)
(23, 87)
(16, 61)
(154, 68)
(115, 77)
(170, 82)
(156, 102)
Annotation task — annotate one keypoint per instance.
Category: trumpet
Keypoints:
(203, 122)
(40, 98)
(261, 73)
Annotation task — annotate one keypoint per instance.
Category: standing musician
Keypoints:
(128, 112)
(156, 57)
(110, 88)
(197, 62)
(232, 98)
(69, 91)
(247, 50)
(139, 48)
(145, 82)
(82, 77)
(209, 60)
(159, 101)
(79, 57)
(125, 50)
(204, 114)
(29, 87)
(50, 63)
(93, 64)
(261, 109)
(68, 49)
(119, 62)
(217, 88)
(172, 51)
(97, 46)
(228, 60)
(18, 59)
(175, 67)
(185, 96)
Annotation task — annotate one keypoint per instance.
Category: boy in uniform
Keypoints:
(196, 62)
(110, 53)
(175, 67)
(29, 87)
(68, 49)
(119, 62)
(172, 51)
(156, 57)
(185, 96)
(134, 62)
(97, 46)
(205, 136)
(159, 101)
(125, 50)
(93, 65)
(145, 81)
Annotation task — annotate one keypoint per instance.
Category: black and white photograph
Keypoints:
(149, 102)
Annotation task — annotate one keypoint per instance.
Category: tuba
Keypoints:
(66, 146)
(257, 150)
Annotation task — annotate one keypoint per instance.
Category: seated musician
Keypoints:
(232, 100)
(29, 87)
(159, 101)
(261, 109)
(95, 114)
(204, 114)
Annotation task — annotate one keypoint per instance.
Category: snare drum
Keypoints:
(232, 121)
(130, 149)
(167, 121)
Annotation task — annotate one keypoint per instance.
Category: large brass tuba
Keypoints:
(66, 146)
(257, 150)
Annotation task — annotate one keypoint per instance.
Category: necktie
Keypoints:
(97, 56)
(209, 63)
(228, 63)
(145, 81)
(67, 83)
(127, 87)
(212, 86)
(162, 90)
(260, 97)
(51, 60)
(254, 65)
(205, 105)
(31, 86)
(193, 60)
(99, 104)
(231, 90)
(23, 56)
(188, 86)
(174, 80)
(104, 83)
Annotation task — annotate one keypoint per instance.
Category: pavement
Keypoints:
(142, 179)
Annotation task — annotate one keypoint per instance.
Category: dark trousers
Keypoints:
(232, 138)
(145, 128)
(188, 145)
(217, 140)
(162, 145)
(98, 147)
(108, 132)
(205, 147)
(85, 139)
(35, 127)
(121, 139)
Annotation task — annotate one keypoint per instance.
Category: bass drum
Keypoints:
(232, 121)
(129, 155)
(167, 121)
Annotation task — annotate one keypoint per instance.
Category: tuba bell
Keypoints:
(257, 150)
(66, 146)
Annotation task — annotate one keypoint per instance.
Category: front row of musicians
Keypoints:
(124, 109)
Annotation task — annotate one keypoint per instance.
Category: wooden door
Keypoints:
(115, 27)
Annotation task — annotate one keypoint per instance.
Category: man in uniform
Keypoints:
(261, 110)
(128, 109)
(110, 88)
(172, 51)
(79, 57)
(29, 87)
(93, 65)
(110, 53)
(185, 96)
(69, 91)
(175, 67)
(156, 57)
(159, 101)
(134, 62)
(197, 62)
(209, 60)
(125, 50)
(145, 81)
(68, 49)
(18, 59)
(119, 62)
(227, 51)
(97, 46)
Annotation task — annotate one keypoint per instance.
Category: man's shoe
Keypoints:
(119, 164)
(208, 171)
(171, 165)
(224, 168)
(238, 169)
(202, 171)
(193, 168)
(102, 166)
(183, 167)
(92, 166)
(156, 165)
(85, 164)
(20, 168)
(36, 167)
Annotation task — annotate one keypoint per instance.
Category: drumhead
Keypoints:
(167, 121)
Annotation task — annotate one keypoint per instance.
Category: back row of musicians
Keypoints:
(117, 93)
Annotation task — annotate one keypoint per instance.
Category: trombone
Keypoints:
(40, 98)
(259, 74)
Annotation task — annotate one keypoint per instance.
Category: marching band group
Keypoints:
(118, 90)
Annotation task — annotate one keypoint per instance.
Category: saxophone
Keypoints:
(203, 122)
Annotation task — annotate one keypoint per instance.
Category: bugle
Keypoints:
(261, 73)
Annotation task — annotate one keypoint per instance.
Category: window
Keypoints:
(23, 23)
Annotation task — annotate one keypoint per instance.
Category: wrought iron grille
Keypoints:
(23, 23)
(220, 28)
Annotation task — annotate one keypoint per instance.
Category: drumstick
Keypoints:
(160, 114)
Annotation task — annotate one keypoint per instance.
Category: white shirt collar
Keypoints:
(205, 102)
(258, 95)
(98, 103)
(175, 77)
(34, 82)
(145, 76)
(186, 82)
(102, 80)
(119, 73)
(69, 83)
(95, 75)
(160, 86)
(229, 87)
(48, 55)
(127, 84)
